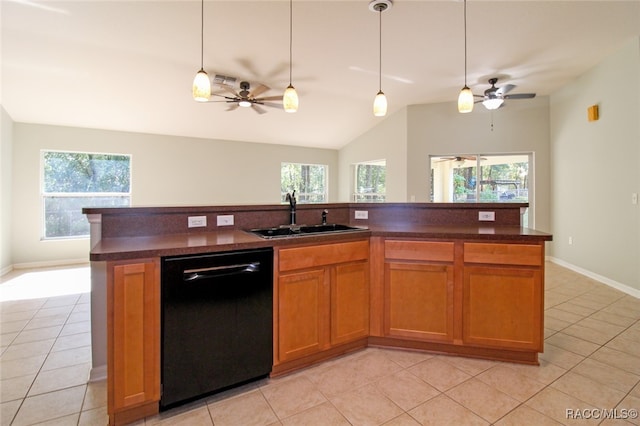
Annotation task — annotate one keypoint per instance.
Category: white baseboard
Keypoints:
(6, 270)
(51, 263)
(98, 374)
(604, 280)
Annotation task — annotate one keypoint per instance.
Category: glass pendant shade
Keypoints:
(465, 100)
(380, 105)
(290, 99)
(201, 86)
(493, 103)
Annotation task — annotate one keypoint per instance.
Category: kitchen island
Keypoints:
(419, 276)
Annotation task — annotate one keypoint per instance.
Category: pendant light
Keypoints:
(201, 83)
(290, 97)
(465, 99)
(380, 101)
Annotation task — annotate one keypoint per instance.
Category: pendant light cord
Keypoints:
(380, 9)
(290, 38)
(465, 43)
(202, 35)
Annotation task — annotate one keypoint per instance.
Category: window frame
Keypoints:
(301, 196)
(361, 197)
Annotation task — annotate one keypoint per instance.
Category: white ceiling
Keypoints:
(129, 65)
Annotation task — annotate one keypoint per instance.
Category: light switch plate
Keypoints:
(225, 220)
(362, 214)
(487, 216)
(197, 221)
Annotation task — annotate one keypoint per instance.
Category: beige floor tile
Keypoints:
(7, 339)
(484, 400)
(511, 382)
(602, 326)
(54, 302)
(556, 405)
(96, 395)
(12, 327)
(25, 350)
(576, 309)
(37, 334)
(67, 358)
(72, 341)
(293, 395)
(323, 414)
(402, 420)
(635, 391)
(15, 387)
(79, 317)
(70, 420)
(625, 345)
(621, 360)
(631, 334)
(607, 374)
(21, 366)
(443, 411)
(8, 410)
(406, 358)
(439, 374)
(559, 314)
(76, 328)
(49, 406)
(620, 308)
(406, 390)
(36, 323)
(250, 409)
(590, 302)
(612, 318)
(544, 373)
(60, 378)
(526, 416)
(555, 324)
(628, 409)
(94, 417)
(573, 344)
(586, 334)
(16, 316)
(560, 357)
(366, 406)
(588, 390)
(52, 312)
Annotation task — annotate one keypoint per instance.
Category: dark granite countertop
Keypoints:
(122, 248)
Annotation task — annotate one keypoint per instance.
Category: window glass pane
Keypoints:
(73, 180)
(370, 182)
(308, 180)
(83, 172)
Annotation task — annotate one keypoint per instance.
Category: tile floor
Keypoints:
(590, 368)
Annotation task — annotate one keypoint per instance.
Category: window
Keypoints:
(73, 180)
(502, 178)
(370, 181)
(308, 180)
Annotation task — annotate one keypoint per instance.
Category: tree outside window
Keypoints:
(370, 181)
(308, 180)
(74, 180)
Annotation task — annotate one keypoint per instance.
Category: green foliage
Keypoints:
(308, 180)
(371, 178)
(72, 172)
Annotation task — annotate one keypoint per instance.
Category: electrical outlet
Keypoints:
(362, 214)
(634, 198)
(197, 221)
(570, 241)
(487, 216)
(225, 220)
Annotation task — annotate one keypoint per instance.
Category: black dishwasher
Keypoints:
(217, 322)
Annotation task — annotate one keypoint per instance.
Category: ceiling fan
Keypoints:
(461, 158)
(494, 97)
(248, 99)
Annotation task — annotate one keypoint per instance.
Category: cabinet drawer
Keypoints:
(419, 250)
(327, 254)
(504, 254)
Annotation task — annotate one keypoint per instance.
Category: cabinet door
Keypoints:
(301, 313)
(134, 331)
(349, 302)
(419, 301)
(502, 307)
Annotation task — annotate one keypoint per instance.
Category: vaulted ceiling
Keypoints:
(129, 65)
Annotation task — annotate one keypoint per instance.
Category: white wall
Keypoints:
(596, 168)
(387, 141)
(166, 170)
(6, 167)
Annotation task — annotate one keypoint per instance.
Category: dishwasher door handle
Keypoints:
(190, 275)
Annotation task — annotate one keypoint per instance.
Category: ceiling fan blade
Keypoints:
(504, 89)
(520, 96)
(272, 104)
(269, 98)
(258, 90)
(257, 108)
(222, 96)
(233, 107)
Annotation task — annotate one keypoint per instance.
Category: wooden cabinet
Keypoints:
(418, 294)
(133, 335)
(503, 295)
(322, 298)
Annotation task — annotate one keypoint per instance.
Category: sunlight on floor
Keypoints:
(29, 283)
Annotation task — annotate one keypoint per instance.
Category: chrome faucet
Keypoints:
(324, 216)
(291, 198)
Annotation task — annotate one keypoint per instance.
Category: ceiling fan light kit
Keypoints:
(465, 98)
(380, 101)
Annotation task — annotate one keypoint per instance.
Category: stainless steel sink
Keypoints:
(299, 231)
